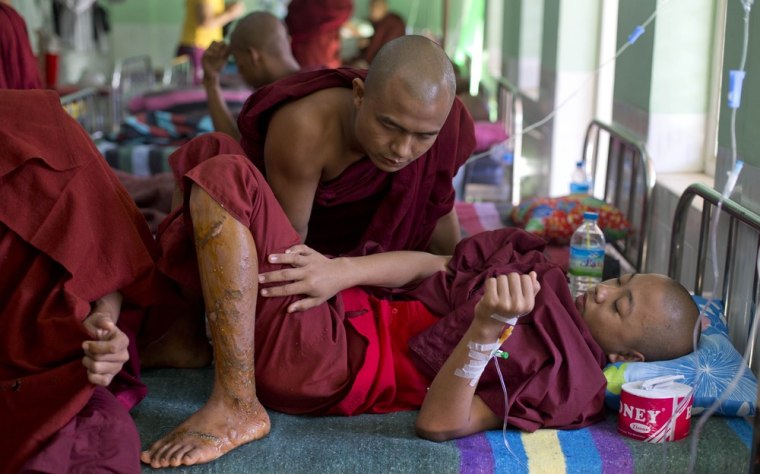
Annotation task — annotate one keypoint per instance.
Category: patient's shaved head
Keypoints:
(260, 30)
(674, 338)
(415, 63)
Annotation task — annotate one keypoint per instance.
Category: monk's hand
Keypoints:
(106, 353)
(311, 274)
(214, 59)
(507, 296)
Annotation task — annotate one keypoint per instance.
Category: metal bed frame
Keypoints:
(740, 240)
(131, 76)
(510, 115)
(91, 108)
(179, 73)
(629, 179)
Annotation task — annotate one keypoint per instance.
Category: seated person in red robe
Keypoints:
(387, 26)
(315, 30)
(300, 333)
(18, 64)
(356, 156)
(78, 269)
(261, 48)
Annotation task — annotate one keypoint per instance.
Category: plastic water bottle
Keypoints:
(586, 255)
(580, 183)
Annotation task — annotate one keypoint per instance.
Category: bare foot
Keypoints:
(219, 427)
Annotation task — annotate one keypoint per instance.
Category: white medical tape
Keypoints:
(504, 319)
(479, 355)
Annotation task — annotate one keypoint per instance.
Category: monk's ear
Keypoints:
(358, 91)
(632, 356)
(255, 55)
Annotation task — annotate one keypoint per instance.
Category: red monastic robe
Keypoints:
(69, 234)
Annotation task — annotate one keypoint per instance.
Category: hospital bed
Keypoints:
(387, 443)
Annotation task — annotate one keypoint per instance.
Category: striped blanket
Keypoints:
(387, 443)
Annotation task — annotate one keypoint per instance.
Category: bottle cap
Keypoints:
(579, 164)
(590, 215)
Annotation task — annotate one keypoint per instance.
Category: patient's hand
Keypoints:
(508, 296)
(106, 353)
(313, 275)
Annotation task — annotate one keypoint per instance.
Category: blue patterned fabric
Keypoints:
(710, 370)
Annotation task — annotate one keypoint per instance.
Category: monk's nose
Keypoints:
(402, 148)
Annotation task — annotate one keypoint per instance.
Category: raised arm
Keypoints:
(451, 409)
(213, 61)
(293, 162)
(320, 278)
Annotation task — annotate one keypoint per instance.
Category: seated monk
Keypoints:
(356, 157)
(300, 333)
(78, 269)
(261, 48)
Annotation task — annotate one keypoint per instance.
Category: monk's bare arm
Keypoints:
(451, 409)
(319, 278)
(294, 163)
(213, 61)
(446, 234)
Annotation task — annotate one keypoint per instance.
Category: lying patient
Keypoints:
(300, 333)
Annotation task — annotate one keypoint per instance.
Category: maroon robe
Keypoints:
(314, 29)
(69, 235)
(18, 64)
(398, 211)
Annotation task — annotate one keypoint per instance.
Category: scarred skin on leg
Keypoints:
(232, 416)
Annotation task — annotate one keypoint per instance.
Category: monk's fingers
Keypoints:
(304, 304)
(289, 289)
(300, 249)
(101, 373)
(277, 276)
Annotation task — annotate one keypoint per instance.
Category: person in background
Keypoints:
(387, 26)
(314, 28)
(203, 24)
(18, 64)
(261, 48)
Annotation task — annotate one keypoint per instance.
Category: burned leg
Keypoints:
(232, 416)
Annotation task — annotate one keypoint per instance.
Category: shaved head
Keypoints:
(674, 338)
(262, 31)
(415, 63)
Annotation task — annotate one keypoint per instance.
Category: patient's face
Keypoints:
(617, 311)
(394, 128)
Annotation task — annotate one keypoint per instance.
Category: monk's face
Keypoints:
(618, 311)
(393, 127)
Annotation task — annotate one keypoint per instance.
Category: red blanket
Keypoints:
(69, 234)
(18, 65)
(397, 211)
(554, 372)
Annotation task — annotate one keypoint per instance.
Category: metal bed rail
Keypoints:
(741, 247)
(629, 179)
(178, 73)
(91, 108)
(510, 115)
(131, 76)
